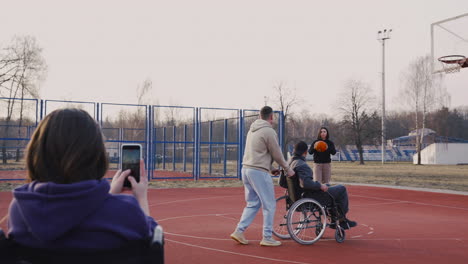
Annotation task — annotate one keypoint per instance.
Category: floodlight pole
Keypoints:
(382, 36)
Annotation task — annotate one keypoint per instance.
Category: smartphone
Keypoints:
(130, 159)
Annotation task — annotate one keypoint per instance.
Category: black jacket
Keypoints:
(304, 172)
(323, 157)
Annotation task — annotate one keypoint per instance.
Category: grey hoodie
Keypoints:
(262, 148)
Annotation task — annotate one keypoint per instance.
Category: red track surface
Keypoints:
(395, 226)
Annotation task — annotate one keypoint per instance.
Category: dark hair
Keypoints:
(66, 147)
(300, 148)
(266, 112)
(328, 133)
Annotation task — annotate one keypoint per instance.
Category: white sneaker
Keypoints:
(269, 242)
(239, 237)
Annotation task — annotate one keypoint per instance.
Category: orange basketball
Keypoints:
(321, 146)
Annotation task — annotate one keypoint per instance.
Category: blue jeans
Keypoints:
(259, 192)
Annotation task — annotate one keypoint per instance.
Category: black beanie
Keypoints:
(300, 148)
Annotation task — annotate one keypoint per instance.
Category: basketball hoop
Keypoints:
(452, 63)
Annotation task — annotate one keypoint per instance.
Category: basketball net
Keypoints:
(452, 63)
(451, 68)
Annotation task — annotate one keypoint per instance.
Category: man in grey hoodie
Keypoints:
(261, 149)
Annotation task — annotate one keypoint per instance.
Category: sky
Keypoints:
(228, 54)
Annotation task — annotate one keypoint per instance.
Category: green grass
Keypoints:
(449, 177)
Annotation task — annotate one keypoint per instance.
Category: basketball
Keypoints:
(321, 146)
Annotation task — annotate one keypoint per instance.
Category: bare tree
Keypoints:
(22, 68)
(285, 99)
(172, 115)
(423, 91)
(304, 125)
(357, 105)
(132, 122)
(143, 92)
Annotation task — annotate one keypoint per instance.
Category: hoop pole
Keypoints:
(449, 19)
(432, 48)
(383, 101)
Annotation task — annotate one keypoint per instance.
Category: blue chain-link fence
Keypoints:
(178, 142)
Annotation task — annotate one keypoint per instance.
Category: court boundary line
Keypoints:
(419, 189)
(405, 201)
(189, 200)
(236, 253)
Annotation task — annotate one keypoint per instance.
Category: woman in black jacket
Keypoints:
(322, 159)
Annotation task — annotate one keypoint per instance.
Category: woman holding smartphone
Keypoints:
(68, 203)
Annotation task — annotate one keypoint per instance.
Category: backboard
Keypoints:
(449, 41)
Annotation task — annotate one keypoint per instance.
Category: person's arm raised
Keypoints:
(140, 189)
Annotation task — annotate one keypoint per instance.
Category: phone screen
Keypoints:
(131, 155)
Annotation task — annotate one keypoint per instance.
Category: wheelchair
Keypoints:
(304, 216)
(135, 252)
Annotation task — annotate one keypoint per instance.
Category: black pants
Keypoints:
(339, 193)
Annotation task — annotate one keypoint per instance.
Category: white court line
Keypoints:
(185, 216)
(411, 239)
(219, 215)
(364, 205)
(418, 203)
(212, 238)
(196, 237)
(357, 237)
(4, 218)
(419, 189)
(353, 238)
(236, 253)
(332, 239)
(194, 199)
(224, 216)
(362, 196)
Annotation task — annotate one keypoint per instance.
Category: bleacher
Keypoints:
(398, 149)
(371, 153)
(374, 153)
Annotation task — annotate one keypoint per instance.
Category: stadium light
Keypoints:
(382, 36)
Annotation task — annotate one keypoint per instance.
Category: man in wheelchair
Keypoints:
(323, 193)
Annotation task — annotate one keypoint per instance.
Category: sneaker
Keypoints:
(239, 237)
(347, 224)
(352, 223)
(269, 242)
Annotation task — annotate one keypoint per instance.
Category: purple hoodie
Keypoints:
(78, 215)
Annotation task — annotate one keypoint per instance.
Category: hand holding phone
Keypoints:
(130, 159)
(139, 189)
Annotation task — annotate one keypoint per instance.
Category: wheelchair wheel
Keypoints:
(307, 221)
(340, 235)
(280, 227)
